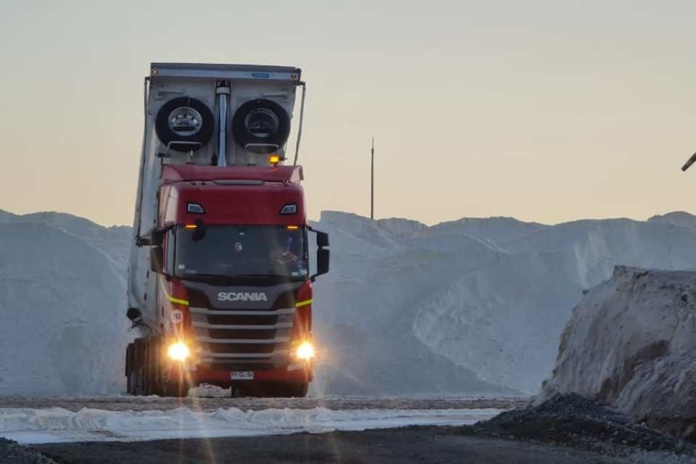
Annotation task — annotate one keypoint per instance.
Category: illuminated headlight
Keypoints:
(305, 351)
(178, 351)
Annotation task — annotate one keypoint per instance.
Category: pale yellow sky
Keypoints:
(543, 110)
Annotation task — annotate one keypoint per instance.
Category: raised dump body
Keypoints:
(219, 281)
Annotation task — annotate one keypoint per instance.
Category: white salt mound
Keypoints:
(631, 343)
(465, 307)
(63, 329)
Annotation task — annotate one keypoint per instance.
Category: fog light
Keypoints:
(305, 351)
(178, 351)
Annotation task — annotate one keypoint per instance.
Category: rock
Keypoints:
(631, 343)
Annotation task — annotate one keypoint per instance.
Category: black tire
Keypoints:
(150, 370)
(140, 367)
(176, 387)
(245, 135)
(298, 390)
(166, 134)
(287, 390)
(130, 371)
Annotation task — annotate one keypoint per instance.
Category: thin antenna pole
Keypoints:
(372, 182)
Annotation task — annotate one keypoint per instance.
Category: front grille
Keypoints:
(243, 338)
(242, 320)
(242, 348)
(242, 334)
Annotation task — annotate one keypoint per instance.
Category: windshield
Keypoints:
(209, 251)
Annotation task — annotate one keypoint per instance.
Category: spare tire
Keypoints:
(261, 121)
(184, 119)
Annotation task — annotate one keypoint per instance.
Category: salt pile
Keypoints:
(466, 307)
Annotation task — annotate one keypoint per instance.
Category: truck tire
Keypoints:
(141, 364)
(130, 371)
(261, 121)
(198, 117)
(289, 390)
(176, 387)
(298, 390)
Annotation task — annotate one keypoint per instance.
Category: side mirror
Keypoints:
(157, 259)
(322, 239)
(199, 232)
(323, 256)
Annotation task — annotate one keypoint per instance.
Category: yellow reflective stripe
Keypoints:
(177, 300)
(299, 304)
(171, 298)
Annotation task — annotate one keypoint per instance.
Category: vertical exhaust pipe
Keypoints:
(223, 93)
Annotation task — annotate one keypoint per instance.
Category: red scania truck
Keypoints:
(219, 285)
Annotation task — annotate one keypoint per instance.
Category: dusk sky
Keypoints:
(544, 110)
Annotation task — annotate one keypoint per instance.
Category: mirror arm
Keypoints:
(149, 237)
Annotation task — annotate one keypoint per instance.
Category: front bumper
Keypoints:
(300, 372)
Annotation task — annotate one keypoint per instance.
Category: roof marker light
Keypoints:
(290, 208)
(195, 208)
(293, 227)
(191, 226)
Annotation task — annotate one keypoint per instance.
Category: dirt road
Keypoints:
(395, 446)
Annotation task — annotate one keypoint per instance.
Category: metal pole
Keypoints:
(688, 164)
(299, 130)
(372, 182)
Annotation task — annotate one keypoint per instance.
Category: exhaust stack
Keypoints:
(223, 93)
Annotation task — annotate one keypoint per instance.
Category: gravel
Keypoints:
(11, 452)
(577, 422)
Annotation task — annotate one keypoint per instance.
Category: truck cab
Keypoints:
(220, 281)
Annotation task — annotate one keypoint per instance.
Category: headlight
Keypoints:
(305, 351)
(178, 351)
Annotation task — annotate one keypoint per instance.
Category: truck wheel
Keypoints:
(261, 121)
(290, 390)
(298, 390)
(184, 119)
(176, 387)
(150, 369)
(142, 374)
(130, 371)
(139, 367)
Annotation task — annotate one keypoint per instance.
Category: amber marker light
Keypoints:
(274, 159)
(191, 226)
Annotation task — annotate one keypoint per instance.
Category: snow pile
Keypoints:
(631, 343)
(57, 425)
(62, 305)
(489, 296)
(474, 306)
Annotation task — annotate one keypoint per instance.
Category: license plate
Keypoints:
(248, 375)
